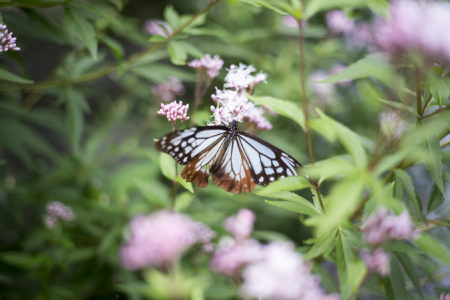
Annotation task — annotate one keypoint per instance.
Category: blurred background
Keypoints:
(82, 134)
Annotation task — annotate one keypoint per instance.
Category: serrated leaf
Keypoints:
(7, 76)
(291, 183)
(171, 16)
(277, 6)
(315, 6)
(402, 178)
(322, 246)
(397, 280)
(373, 65)
(333, 130)
(285, 108)
(434, 248)
(435, 200)
(333, 167)
(301, 203)
(410, 271)
(298, 207)
(114, 46)
(433, 161)
(83, 29)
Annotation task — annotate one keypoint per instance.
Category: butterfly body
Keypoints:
(237, 160)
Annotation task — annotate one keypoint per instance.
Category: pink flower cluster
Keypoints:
(160, 238)
(7, 41)
(57, 211)
(156, 27)
(232, 102)
(212, 65)
(416, 26)
(377, 261)
(339, 22)
(168, 91)
(272, 271)
(174, 111)
(382, 226)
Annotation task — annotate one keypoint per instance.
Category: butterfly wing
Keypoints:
(196, 147)
(267, 162)
(232, 172)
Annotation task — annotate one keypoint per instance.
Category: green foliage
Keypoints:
(78, 122)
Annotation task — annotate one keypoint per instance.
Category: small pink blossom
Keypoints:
(168, 91)
(7, 41)
(156, 27)
(339, 22)
(231, 255)
(415, 26)
(241, 225)
(377, 261)
(57, 211)
(241, 77)
(160, 238)
(382, 226)
(290, 21)
(444, 296)
(280, 273)
(174, 111)
(212, 65)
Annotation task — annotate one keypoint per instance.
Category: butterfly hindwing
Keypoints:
(268, 163)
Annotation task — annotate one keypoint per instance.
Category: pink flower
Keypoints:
(160, 238)
(7, 41)
(444, 296)
(232, 255)
(280, 273)
(241, 225)
(415, 26)
(174, 111)
(167, 91)
(377, 262)
(156, 27)
(338, 22)
(381, 226)
(241, 77)
(290, 21)
(57, 211)
(211, 65)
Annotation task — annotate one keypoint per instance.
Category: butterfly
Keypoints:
(237, 160)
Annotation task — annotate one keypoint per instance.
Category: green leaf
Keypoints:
(397, 280)
(177, 52)
(277, 6)
(322, 245)
(185, 184)
(83, 29)
(167, 165)
(171, 17)
(7, 76)
(373, 65)
(434, 161)
(293, 203)
(388, 162)
(25, 260)
(183, 200)
(315, 6)
(402, 178)
(339, 205)
(285, 108)
(75, 119)
(435, 200)
(351, 271)
(114, 46)
(153, 192)
(434, 248)
(333, 167)
(291, 183)
(410, 271)
(333, 130)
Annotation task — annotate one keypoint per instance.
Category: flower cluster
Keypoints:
(272, 271)
(392, 125)
(168, 91)
(156, 27)
(174, 111)
(57, 211)
(232, 102)
(212, 65)
(379, 228)
(7, 41)
(382, 226)
(160, 238)
(339, 22)
(415, 26)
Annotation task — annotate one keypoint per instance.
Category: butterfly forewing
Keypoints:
(268, 163)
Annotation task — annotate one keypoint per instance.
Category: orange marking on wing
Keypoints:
(194, 173)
